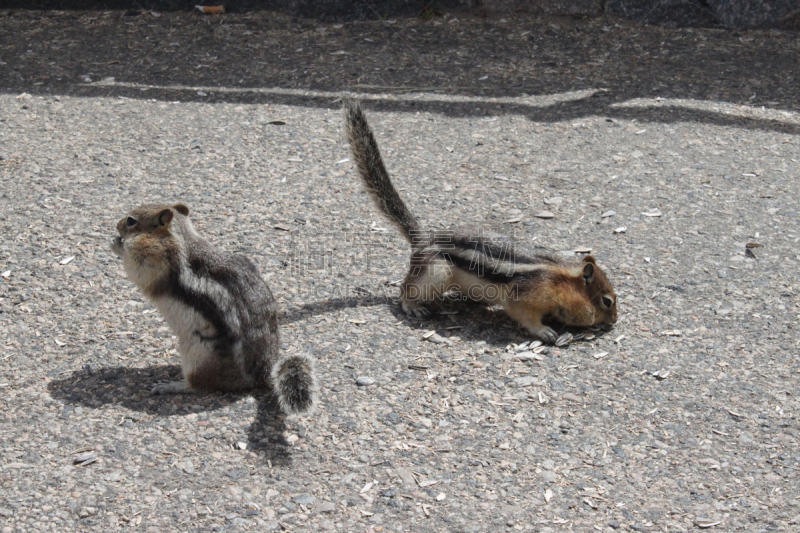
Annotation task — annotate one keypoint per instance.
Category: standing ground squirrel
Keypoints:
(216, 303)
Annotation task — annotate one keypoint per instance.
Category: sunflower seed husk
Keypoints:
(542, 398)
(600, 355)
(564, 339)
(578, 336)
(705, 523)
(84, 459)
(527, 356)
(544, 214)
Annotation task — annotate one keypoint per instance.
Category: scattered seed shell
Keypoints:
(564, 340)
(600, 355)
(705, 523)
(67, 260)
(608, 214)
(653, 213)
(548, 495)
(582, 250)
(84, 459)
(544, 214)
(542, 398)
(621, 229)
(527, 356)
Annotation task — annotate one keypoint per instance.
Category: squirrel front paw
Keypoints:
(415, 309)
(545, 334)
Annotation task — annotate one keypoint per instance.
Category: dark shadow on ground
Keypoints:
(324, 10)
(331, 305)
(267, 58)
(130, 388)
(469, 320)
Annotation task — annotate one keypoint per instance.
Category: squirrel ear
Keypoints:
(165, 217)
(182, 209)
(588, 272)
(589, 259)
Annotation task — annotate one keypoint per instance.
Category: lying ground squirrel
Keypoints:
(216, 303)
(482, 266)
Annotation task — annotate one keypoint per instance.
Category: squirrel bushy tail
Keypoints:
(292, 379)
(373, 172)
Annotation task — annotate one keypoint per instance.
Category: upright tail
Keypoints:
(294, 384)
(373, 172)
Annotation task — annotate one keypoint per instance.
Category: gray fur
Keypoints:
(218, 305)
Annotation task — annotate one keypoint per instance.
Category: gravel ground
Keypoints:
(684, 416)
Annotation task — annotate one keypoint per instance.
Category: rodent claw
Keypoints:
(546, 334)
(416, 310)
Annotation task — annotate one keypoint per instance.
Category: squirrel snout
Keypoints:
(116, 245)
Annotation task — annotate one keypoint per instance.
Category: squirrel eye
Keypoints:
(607, 301)
(131, 222)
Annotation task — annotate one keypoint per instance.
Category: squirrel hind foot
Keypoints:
(294, 384)
(171, 387)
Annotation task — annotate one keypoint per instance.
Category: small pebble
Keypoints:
(364, 381)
